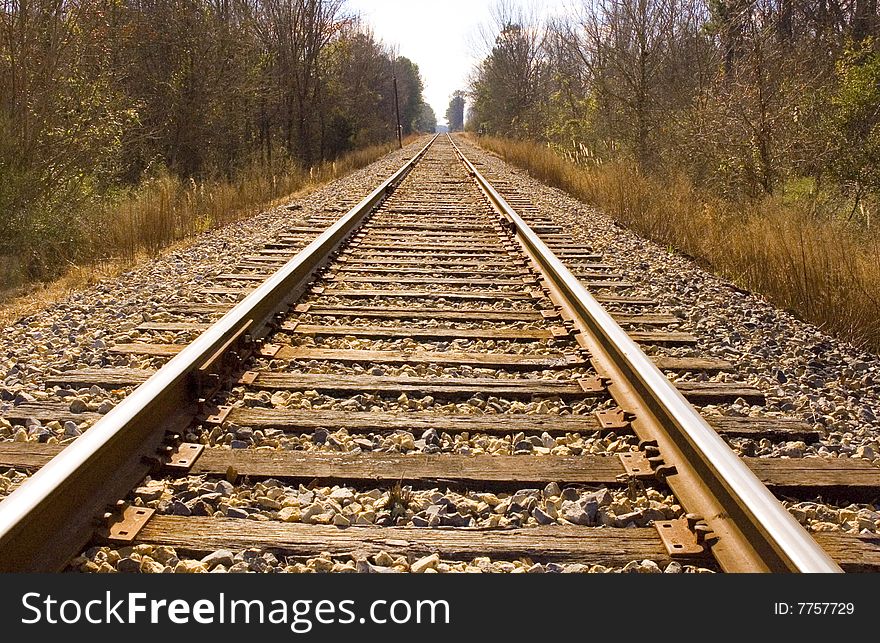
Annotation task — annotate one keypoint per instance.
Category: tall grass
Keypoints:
(820, 268)
(164, 210)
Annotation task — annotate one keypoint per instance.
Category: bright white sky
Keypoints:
(440, 36)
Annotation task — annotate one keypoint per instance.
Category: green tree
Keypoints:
(427, 119)
(455, 112)
(855, 120)
(61, 122)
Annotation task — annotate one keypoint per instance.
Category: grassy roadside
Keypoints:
(163, 213)
(821, 269)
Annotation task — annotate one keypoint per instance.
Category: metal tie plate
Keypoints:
(636, 464)
(124, 527)
(677, 538)
(183, 456)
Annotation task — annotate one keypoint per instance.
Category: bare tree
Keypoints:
(509, 87)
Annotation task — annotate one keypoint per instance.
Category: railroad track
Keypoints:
(438, 374)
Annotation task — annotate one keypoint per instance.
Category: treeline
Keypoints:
(97, 95)
(747, 98)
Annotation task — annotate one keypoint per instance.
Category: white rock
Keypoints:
(423, 564)
(220, 557)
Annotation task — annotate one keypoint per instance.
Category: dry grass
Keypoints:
(26, 300)
(163, 212)
(821, 269)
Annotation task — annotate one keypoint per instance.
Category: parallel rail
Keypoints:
(754, 531)
(51, 516)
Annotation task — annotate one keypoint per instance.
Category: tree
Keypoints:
(728, 91)
(61, 119)
(409, 85)
(631, 51)
(427, 120)
(96, 95)
(509, 88)
(295, 33)
(855, 121)
(455, 111)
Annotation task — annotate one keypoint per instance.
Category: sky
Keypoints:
(441, 36)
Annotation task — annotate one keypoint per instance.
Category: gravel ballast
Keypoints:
(77, 332)
(804, 373)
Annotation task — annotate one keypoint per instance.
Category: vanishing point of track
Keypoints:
(474, 296)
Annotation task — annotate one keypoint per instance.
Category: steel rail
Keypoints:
(752, 531)
(49, 518)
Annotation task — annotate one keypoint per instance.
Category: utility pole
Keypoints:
(396, 102)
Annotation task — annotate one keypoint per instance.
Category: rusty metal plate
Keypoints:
(269, 350)
(613, 419)
(677, 538)
(219, 417)
(550, 314)
(302, 308)
(592, 385)
(249, 378)
(124, 528)
(636, 464)
(559, 332)
(183, 456)
(575, 360)
(318, 290)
